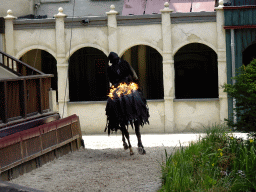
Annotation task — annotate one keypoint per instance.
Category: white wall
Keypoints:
(19, 7)
(93, 119)
(6, 74)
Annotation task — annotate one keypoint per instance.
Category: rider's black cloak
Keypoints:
(125, 109)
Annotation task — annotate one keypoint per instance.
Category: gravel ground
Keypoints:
(105, 166)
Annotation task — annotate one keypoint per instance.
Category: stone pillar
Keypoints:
(142, 68)
(168, 69)
(222, 65)
(9, 38)
(112, 30)
(62, 63)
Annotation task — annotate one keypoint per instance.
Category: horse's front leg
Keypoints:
(126, 134)
(141, 149)
(123, 139)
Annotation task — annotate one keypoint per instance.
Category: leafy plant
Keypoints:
(244, 93)
(217, 162)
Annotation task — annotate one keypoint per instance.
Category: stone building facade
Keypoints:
(180, 59)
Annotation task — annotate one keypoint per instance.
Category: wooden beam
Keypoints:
(240, 27)
(239, 7)
(5, 116)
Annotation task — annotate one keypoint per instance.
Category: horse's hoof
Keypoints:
(125, 146)
(131, 151)
(141, 151)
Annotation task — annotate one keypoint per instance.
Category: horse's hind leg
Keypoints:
(126, 134)
(124, 143)
(141, 149)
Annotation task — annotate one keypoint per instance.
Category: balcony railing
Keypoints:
(23, 96)
(16, 66)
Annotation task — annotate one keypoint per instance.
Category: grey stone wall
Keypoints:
(82, 7)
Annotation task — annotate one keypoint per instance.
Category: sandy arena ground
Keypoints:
(105, 166)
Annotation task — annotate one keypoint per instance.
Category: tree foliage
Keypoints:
(244, 93)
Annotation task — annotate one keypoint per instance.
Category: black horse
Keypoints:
(126, 104)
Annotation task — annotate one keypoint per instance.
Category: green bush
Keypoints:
(244, 93)
(217, 162)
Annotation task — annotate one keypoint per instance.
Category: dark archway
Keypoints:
(43, 61)
(196, 72)
(249, 54)
(148, 64)
(87, 75)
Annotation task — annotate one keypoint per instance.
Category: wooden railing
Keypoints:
(38, 145)
(16, 66)
(22, 97)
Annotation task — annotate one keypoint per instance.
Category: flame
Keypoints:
(123, 88)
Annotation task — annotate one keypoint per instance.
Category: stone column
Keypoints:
(112, 30)
(222, 65)
(62, 63)
(168, 69)
(142, 68)
(9, 38)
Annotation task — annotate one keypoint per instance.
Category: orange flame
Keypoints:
(123, 88)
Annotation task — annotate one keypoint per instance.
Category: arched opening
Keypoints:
(43, 61)
(196, 72)
(87, 75)
(147, 63)
(249, 54)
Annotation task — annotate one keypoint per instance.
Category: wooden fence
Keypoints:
(28, 149)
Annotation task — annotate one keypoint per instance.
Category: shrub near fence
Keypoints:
(28, 149)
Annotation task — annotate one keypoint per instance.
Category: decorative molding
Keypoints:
(54, 1)
(196, 100)
(112, 10)
(169, 98)
(166, 8)
(9, 15)
(34, 24)
(60, 14)
(193, 17)
(131, 20)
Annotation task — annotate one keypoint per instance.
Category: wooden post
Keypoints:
(39, 95)
(5, 107)
(23, 98)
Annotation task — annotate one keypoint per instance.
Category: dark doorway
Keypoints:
(87, 75)
(249, 54)
(196, 72)
(151, 74)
